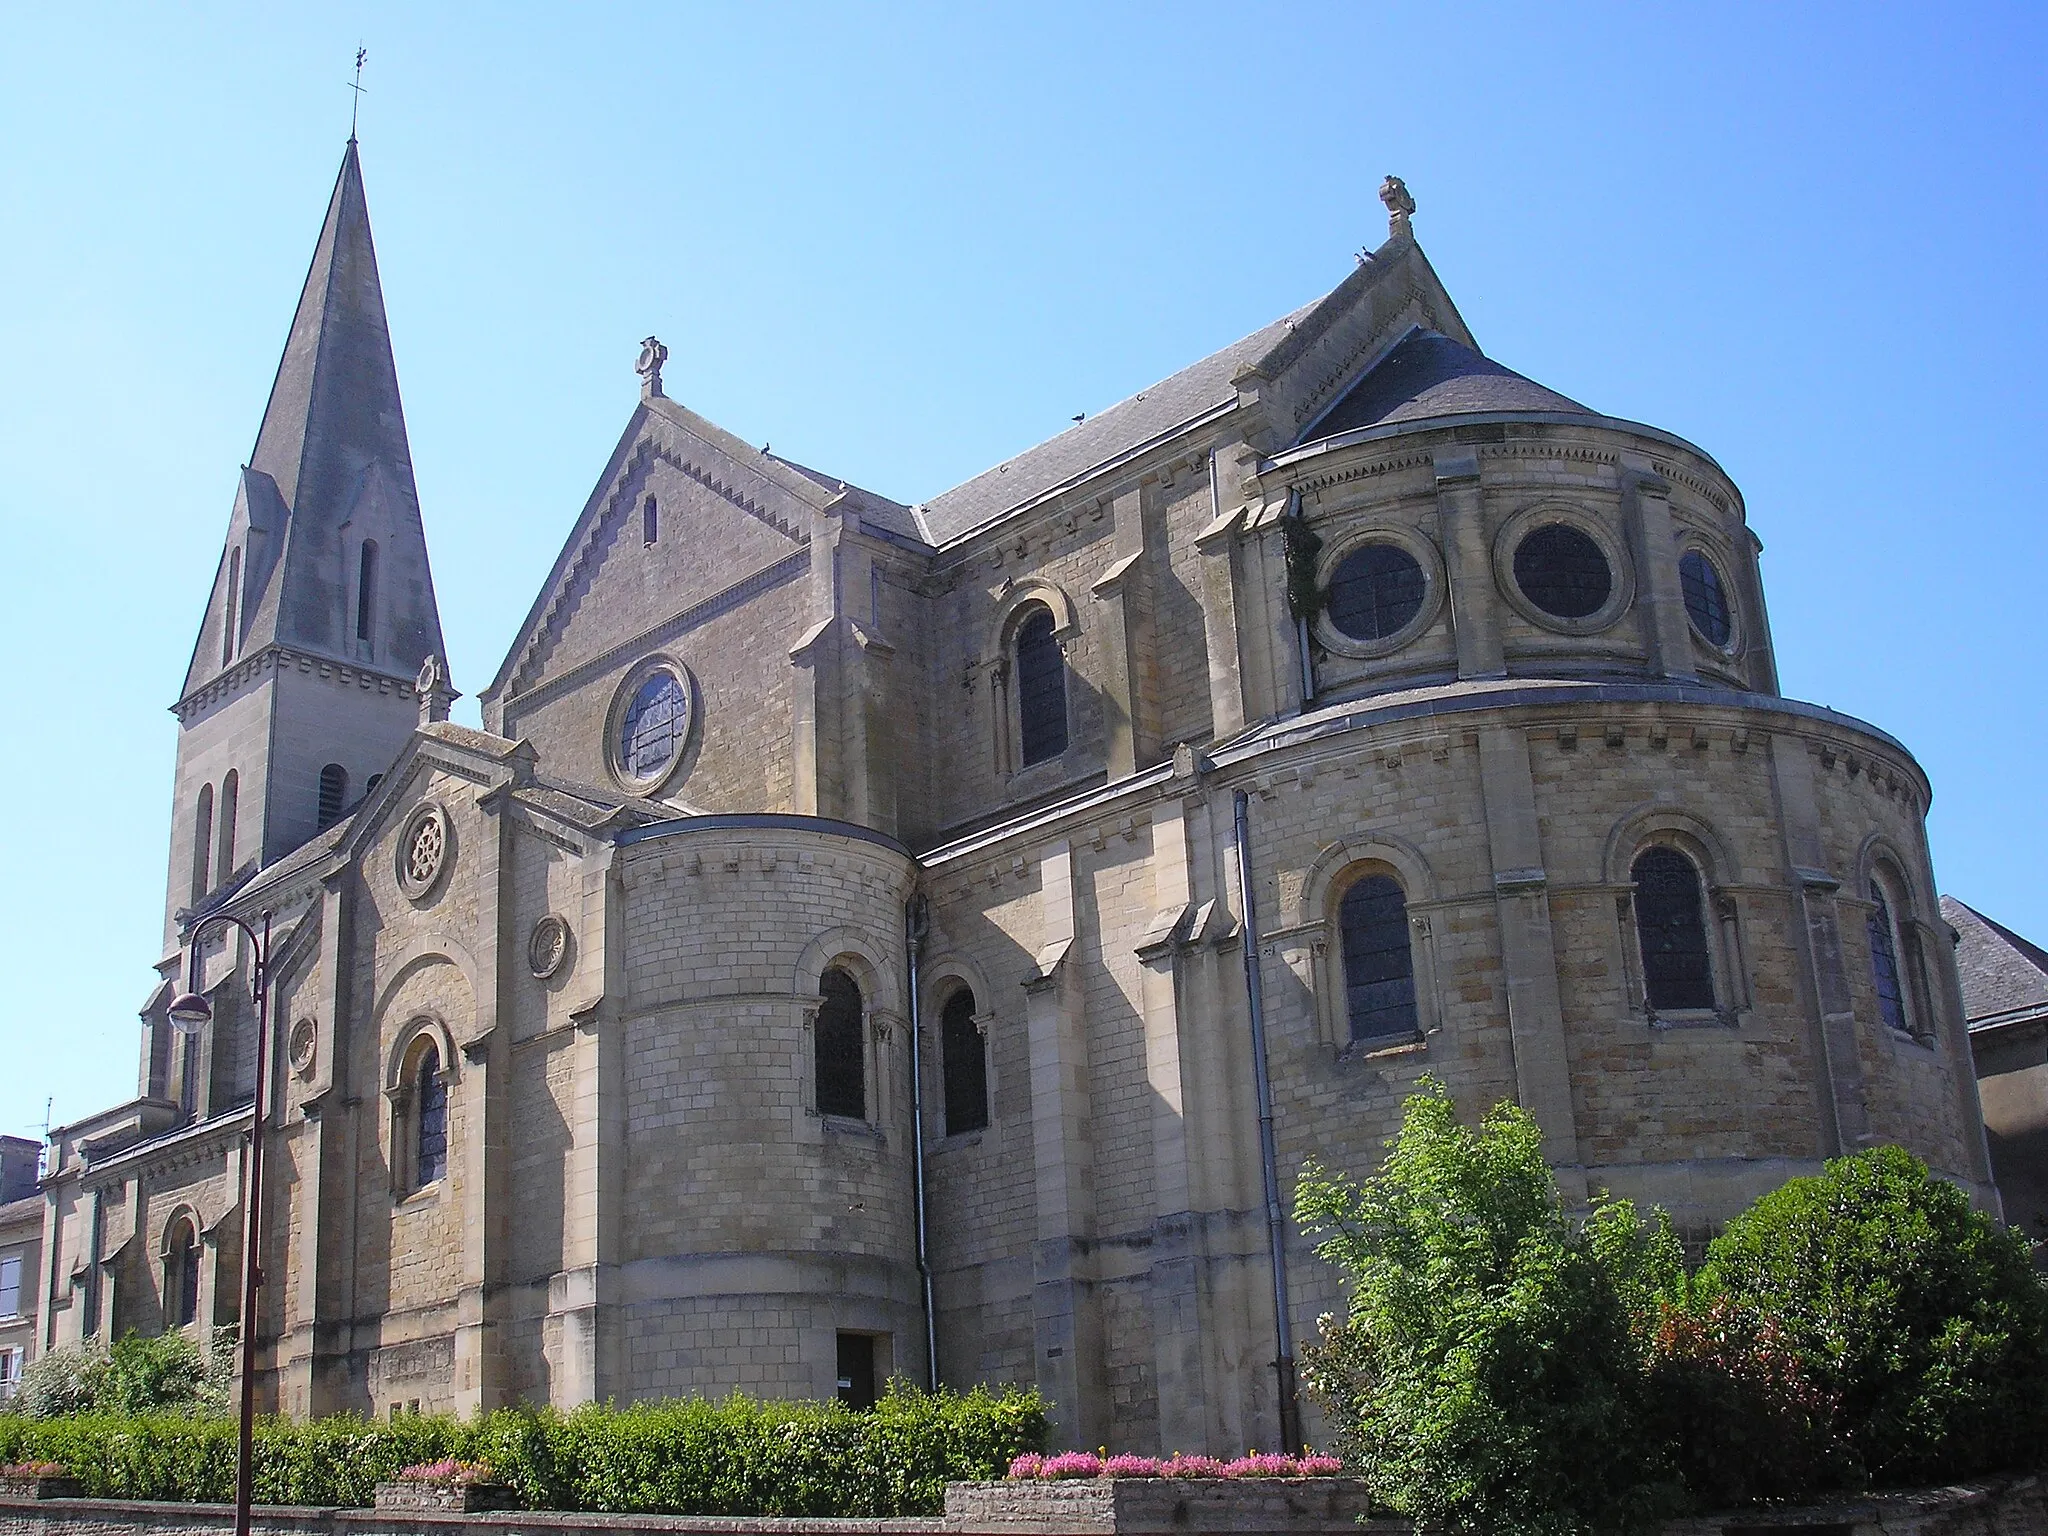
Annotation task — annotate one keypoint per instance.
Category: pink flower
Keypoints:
(1192, 1466)
(1319, 1466)
(1261, 1464)
(447, 1472)
(1030, 1464)
(1131, 1466)
(35, 1469)
(1072, 1464)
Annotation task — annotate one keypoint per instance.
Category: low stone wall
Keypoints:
(1083, 1507)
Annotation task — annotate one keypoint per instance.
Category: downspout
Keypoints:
(916, 923)
(1269, 1157)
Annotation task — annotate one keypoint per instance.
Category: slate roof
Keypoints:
(1429, 375)
(874, 509)
(2004, 975)
(1150, 413)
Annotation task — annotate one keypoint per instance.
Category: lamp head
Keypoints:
(190, 1012)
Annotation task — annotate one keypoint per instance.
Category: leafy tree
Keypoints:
(1916, 1312)
(1490, 1373)
(165, 1374)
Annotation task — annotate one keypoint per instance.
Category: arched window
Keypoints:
(430, 1116)
(1671, 930)
(1379, 967)
(1041, 689)
(230, 795)
(650, 521)
(841, 1067)
(181, 1274)
(333, 794)
(1885, 970)
(964, 1055)
(366, 588)
(202, 845)
(228, 615)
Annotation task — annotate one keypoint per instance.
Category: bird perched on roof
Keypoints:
(1077, 420)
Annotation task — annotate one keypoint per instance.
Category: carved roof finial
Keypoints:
(652, 355)
(1400, 206)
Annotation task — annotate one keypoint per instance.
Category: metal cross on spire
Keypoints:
(356, 85)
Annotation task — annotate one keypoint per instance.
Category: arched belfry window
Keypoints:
(333, 794)
(1671, 931)
(840, 1047)
(1885, 970)
(202, 844)
(964, 1055)
(181, 1274)
(1041, 688)
(650, 521)
(366, 588)
(1379, 965)
(429, 1115)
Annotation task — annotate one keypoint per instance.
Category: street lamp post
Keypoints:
(191, 1012)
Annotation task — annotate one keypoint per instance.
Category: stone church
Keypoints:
(829, 961)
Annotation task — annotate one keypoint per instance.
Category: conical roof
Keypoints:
(1430, 375)
(332, 444)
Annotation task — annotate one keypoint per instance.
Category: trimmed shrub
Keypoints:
(1917, 1313)
(741, 1456)
(1490, 1374)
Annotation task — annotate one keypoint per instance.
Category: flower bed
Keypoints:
(37, 1480)
(1076, 1464)
(1079, 1494)
(448, 1485)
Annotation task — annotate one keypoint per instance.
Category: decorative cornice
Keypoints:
(350, 674)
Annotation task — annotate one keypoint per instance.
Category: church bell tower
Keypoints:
(301, 687)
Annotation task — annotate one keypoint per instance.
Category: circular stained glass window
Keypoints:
(653, 728)
(1562, 571)
(1375, 591)
(1706, 600)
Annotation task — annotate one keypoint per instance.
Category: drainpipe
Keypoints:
(916, 923)
(1269, 1158)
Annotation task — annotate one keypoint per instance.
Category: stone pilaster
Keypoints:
(1222, 637)
(1468, 565)
(1646, 508)
(1528, 953)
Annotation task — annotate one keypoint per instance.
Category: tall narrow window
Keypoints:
(224, 845)
(1041, 689)
(230, 615)
(1884, 963)
(1379, 968)
(10, 1287)
(202, 845)
(333, 794)
(366, 589)
(650, 521)
(181, 1275)
(1671, 929)
(430, 1122)
(965, 1057)
(841, 1070)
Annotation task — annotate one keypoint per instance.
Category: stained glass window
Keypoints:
(1041, 688)
(431, 1097)
(1561, 570)
(1884, 963)
(1671, 930)
(1376, 591)
(965, 1058)
(1379, 969)
(841, 1067)
(654, 726)
(1706, 601)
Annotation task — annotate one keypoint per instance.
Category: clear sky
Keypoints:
(903, 242)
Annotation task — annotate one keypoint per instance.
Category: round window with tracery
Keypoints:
(423, 850)
(651, 726)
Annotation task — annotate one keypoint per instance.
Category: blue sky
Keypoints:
(904, 242)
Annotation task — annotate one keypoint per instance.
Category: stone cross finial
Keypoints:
(434, 693)
(1400, 206)
(652, 355)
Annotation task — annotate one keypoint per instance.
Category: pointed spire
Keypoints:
(331, 470)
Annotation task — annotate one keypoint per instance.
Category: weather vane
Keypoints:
(356, 85)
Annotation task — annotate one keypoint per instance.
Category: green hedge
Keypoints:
(741, 1456)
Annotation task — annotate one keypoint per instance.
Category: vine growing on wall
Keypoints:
(1303, 544)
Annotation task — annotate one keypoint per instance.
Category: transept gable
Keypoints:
(727, 511)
